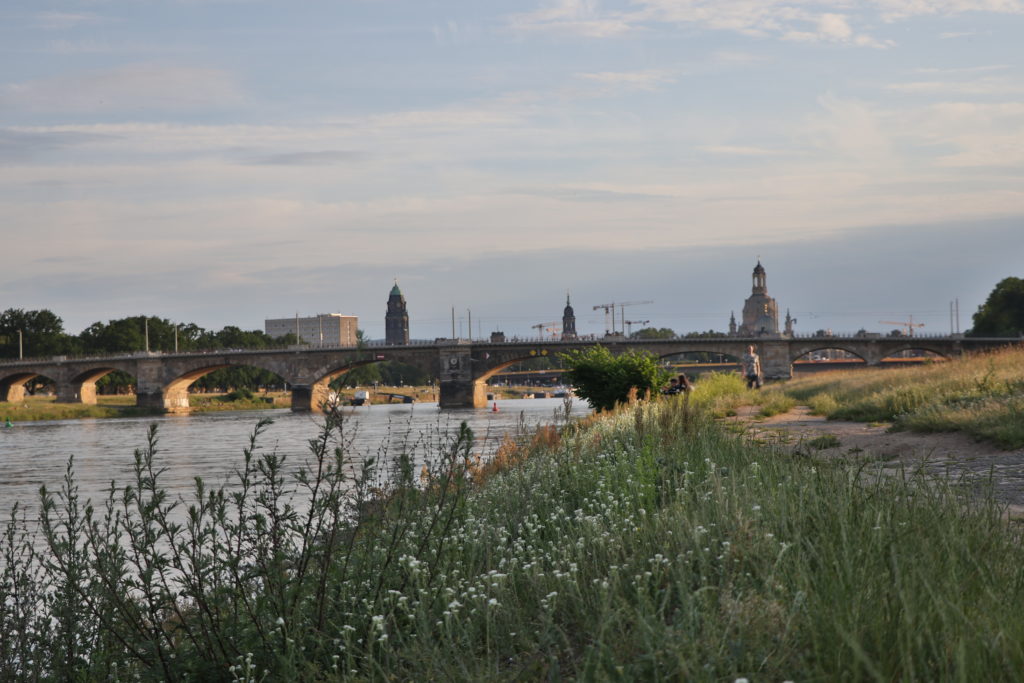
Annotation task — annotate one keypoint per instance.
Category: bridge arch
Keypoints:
(914, 346)
(81, 386)
(507, 362)
(317, 391)
(12, 385)
(173, 395)
(728, 358)
(806, 351)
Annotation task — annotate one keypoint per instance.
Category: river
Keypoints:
(209, 445)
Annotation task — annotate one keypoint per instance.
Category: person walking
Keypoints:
(751, 363)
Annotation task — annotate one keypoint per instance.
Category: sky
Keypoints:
(227, 161)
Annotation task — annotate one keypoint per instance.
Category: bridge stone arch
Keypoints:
(312, 393)
(80, 386)
(914, 346)
(12, 385)
(168, 388)
(799, 351)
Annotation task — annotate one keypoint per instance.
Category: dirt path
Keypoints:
(954, 455)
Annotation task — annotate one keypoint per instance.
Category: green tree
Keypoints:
(654, 333)
(603, 379)
(243, 377)
(1002, 315)
(42, 334)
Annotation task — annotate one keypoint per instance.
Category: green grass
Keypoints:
(648, 544)
(45, 408)
(980, 395)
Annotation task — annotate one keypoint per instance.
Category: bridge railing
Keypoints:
(378, 345)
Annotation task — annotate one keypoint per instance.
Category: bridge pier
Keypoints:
(455, 393)
(168, 400)
(14, 392)
(85, 392)
(309, 397)
(775, 360)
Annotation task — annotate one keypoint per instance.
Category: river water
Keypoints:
(209, 445)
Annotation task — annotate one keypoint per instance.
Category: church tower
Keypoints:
(568, 321)
(760, 312)
(396, 321)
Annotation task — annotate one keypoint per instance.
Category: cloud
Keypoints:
(791, 20)
(894, 10)
(581, 17)
(20, 145)
(990, 85)
(650, 79)
(323, 158)
(739, 150)
(60, 21)
(79, 47)
(131, 87)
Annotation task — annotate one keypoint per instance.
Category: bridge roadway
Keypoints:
(463, 367)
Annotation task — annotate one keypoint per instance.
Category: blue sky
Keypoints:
(226, 161)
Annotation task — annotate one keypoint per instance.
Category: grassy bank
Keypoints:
(239, 400)
(981, 395)
(646, 545)
(47, 408)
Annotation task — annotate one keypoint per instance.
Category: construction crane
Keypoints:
(629, 325)
(610, 308)
(553, 327)
(907, 325)
(607, 308)
(622, 308)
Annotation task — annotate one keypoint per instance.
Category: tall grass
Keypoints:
(647, 544)
(981, 395)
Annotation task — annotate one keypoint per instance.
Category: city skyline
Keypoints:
(228, 162)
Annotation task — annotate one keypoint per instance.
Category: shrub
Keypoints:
(604, 379)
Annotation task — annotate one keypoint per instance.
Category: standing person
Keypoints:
(684, 384)
(751, 363)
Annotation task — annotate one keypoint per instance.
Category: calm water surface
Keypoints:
(34, 454)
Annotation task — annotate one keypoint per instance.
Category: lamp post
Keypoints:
(21, 346)
(145, 329)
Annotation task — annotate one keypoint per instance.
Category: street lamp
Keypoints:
(21, 346)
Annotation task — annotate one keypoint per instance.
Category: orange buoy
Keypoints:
(495, 408)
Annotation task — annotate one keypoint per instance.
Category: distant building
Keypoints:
(568, 321)
(325, 329)
(396, 320)
(760, 312)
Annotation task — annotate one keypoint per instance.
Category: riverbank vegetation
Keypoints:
(642, 544)
(35, 408)
(981, 395)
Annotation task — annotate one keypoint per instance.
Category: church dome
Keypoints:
(759, 269)
(395, 291)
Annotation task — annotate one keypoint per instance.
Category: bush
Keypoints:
(603, 379)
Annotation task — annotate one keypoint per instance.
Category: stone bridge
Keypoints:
(163, 379)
